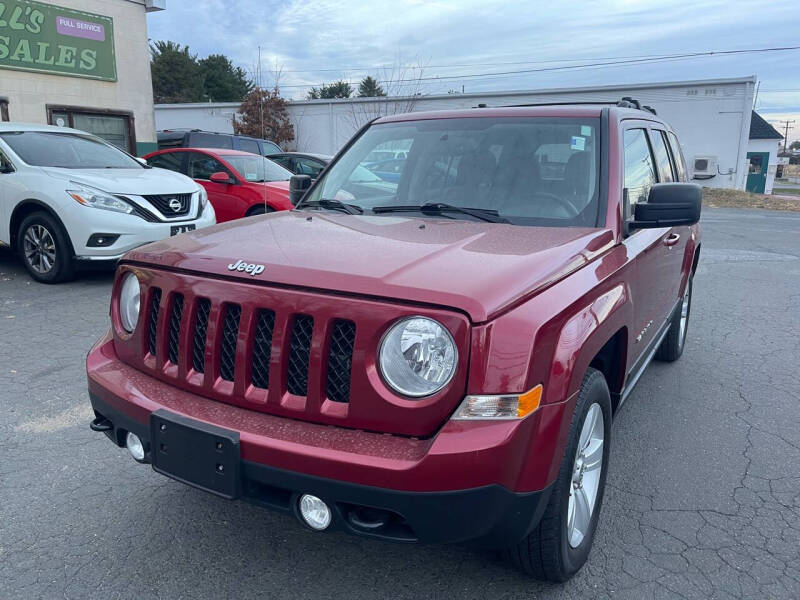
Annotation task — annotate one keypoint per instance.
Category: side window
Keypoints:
(284, 161)
(200, 139)
(201, 166)
(5, 164)
(662, 156)
(676, 154)
(247, 145)
(172, 161)
(307, 167)
(268, 148)
(640, 173)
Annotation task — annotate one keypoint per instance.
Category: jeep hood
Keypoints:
(479, 268)
(137, 182)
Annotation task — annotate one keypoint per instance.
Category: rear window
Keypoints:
(268, 147)
(247, 145)
(67, 150)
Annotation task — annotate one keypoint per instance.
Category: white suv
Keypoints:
(68, 197)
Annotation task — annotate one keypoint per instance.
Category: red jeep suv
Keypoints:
(437, 358)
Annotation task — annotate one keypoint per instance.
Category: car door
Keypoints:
(647, 247)
(7, 184)
(223, 196)
(671, 258)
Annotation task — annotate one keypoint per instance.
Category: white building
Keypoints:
(79, 63)
(712, 117)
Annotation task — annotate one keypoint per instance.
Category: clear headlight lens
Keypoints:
(89, 196)
(418, 357)
(203, 197)
(129, 302)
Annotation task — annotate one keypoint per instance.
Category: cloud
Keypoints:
(325, 40)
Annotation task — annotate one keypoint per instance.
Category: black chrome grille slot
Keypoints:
(155, 303)
(175, 327)
(340, 360)
(199, 340)
(171, 205)
(299, 351)
(230, 333)
(262, 348)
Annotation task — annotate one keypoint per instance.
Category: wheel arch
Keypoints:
(28, 207)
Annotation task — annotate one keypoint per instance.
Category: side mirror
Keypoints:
(298, 186)
(669, 205)
(220, 177)
(141, 160)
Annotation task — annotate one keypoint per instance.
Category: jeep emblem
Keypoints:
(244, 267)
(175, 204)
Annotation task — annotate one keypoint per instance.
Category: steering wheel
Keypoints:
(568, 207)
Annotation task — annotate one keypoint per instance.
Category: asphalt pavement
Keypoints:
(703, 497)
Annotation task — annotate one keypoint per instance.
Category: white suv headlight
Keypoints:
(129, 302)
(203, 197)
(89, 196)
(417, 357)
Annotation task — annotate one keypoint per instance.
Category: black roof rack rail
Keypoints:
(626, 102)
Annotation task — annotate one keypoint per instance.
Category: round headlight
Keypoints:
(129, 302)
(418, 357)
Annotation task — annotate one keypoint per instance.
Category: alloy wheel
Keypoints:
(585, 476)
(39, 248)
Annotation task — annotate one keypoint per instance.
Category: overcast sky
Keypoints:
(462, 41)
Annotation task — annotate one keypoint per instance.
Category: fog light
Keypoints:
(134, 446)
(314, 512)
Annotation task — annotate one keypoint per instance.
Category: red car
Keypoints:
(239, 184)
(436, 359)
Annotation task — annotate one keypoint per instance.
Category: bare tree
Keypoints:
(401, 82)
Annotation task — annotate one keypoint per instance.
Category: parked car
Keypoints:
(435, 360)
(302, 163)
(239, 184)
(389, 170)
(68, 198)
(197, 138)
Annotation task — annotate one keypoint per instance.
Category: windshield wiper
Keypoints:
(484, 214)
(332, 204)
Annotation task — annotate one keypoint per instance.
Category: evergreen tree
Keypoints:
(223, 81)
(176, 74)
(337, 89)
(369, 88)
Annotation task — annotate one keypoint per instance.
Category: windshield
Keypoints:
(257, 168)
(527, 171)
(67, 150)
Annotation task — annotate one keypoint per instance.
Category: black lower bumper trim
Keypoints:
(490, 516)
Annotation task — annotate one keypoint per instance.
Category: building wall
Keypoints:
(711, 117)
(770, 146)
(30, 93)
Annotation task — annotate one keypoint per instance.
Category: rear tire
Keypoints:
(44, 248)
(671, 348)
(557, 548)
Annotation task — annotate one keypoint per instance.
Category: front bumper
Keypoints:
(133, 231)
(456, 486)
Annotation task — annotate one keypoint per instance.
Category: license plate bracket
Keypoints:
(196, 453)
(176, 229)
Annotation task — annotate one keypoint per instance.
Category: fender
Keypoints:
(26, 207)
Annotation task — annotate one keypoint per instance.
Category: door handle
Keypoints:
(672, 239)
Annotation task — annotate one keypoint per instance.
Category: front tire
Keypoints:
(44, 248)
(259, 209)
(671, 348)
(559, 545)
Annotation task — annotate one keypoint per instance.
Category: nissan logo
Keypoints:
(175, 204)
